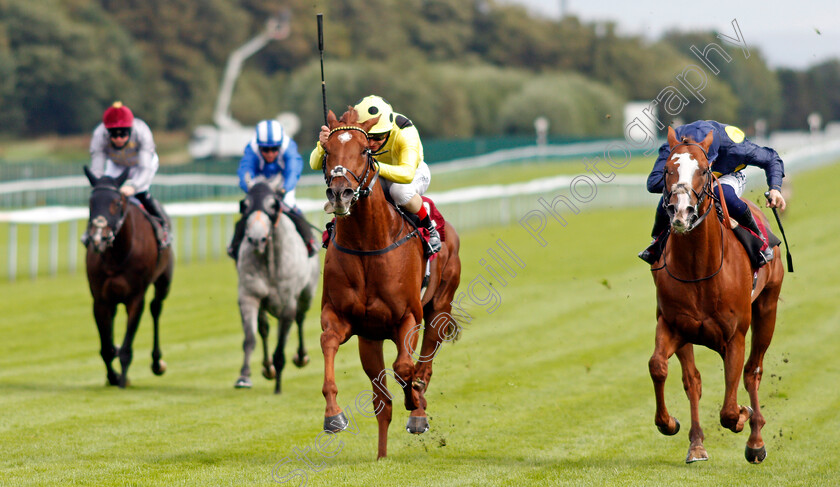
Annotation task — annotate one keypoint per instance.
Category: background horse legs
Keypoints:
(763, 326)
(693, 390)
(134, 310)
(666, 345)
(249, 309)
(301, 357)
(268, 370)
(104, 314)
(279, 352)
(161, 291)
(373, 363)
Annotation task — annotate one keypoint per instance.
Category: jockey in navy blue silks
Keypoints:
(270, 152)
(730, 152)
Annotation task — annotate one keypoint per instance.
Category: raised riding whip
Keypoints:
(320, 18)
(782, 229)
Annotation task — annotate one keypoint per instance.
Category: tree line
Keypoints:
(457, 68)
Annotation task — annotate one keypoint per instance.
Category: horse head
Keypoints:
(108, 209)
(349, 168)
(688, 180)
(261, 208)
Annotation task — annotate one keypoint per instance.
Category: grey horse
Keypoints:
(276, 276)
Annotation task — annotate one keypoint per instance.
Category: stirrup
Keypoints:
(434, 244)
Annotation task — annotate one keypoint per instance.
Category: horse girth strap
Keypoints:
(381, 251)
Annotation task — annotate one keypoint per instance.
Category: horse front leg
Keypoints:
(103, 314)
(279, 352)
(156, 306)
(268, 369)
(336, 332)
(370, 353)
(249, 309)
(666, 344)
(134, 310)
(301, 357)
(693, 390)
(732, 415)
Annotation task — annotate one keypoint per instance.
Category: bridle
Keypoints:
(707, 190)
(364, 187)
(363, 190)
(701, 196)
(100, 222)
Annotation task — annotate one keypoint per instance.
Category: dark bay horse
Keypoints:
(372, 283)
(123, 259)
(704, 296)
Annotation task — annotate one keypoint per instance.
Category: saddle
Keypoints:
(754, 244)
(163, 232)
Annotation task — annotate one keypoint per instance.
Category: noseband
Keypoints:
(363, 187)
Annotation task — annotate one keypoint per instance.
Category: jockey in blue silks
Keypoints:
(729, 153)
(270, 152)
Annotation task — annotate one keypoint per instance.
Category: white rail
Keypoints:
(203, 230)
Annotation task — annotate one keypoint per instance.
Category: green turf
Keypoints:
(552, 388)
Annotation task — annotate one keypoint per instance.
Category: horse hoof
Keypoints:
(269, 372)
(336, 423)
(243, 383)
(417, 425)
(755, 455)
(300, 362)
(696, 454)
(159, 367)
(124, 382)
(664, 429)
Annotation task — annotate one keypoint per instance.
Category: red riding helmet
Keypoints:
(117, 116)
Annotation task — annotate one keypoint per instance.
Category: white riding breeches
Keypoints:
(401, 193)
(114, 170)
(736, 180)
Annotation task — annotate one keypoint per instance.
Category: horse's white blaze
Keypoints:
(687, 166)
(344, 138)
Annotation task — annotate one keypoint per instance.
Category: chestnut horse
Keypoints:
(122, 260)
(704, 296)
(372, 283)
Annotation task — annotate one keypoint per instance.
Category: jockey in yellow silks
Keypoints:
(396, 145)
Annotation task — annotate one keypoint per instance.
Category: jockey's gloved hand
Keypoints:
(324, 135)
(128, 190)
(775, 199)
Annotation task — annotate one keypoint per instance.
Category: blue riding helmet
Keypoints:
(269, 133)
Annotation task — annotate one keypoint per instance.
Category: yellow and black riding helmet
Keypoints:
(373, 106)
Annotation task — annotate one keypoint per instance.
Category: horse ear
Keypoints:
(122, 178)
(370, 123)
(93, 179)
(707, 142)
(672, 137)
(331, 120)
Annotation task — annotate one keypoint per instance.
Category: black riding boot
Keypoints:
(156, 210)
(236, 241)
(304, 229)
(748, 221)
(660, 232)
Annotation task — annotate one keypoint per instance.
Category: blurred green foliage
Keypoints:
(457, 68)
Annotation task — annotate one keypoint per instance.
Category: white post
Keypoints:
(33, 250)
(188, 239)
(72, 242)
(12, 251)
(54, 249)
(202, 237)
(217, 242)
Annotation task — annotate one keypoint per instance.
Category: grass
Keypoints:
(551, 388)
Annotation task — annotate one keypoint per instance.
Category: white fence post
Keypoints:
(33, 250)
(72, 241)
(13, 251)
(54, 249)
